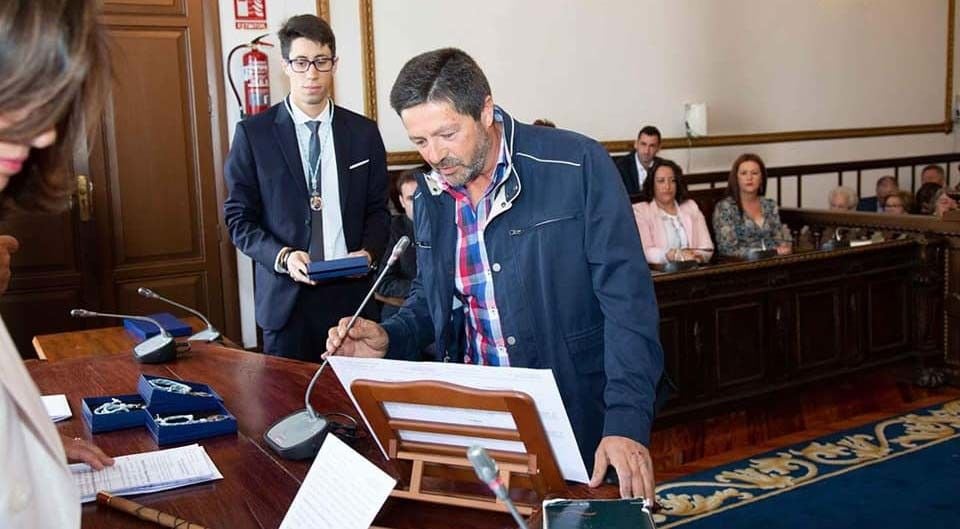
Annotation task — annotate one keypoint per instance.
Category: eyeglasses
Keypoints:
(322, 64)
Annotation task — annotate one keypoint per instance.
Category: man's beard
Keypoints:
(471, 170)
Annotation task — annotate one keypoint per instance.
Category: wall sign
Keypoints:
(250, 14)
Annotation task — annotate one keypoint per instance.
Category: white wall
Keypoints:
(606, 67)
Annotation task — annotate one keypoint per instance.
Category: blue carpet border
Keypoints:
(777, 471)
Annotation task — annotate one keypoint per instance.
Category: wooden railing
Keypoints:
(897, 166)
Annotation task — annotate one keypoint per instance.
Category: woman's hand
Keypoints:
(78, 449)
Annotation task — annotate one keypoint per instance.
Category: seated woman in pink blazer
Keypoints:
(671, 225)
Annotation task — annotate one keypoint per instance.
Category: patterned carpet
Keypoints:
(901, 471)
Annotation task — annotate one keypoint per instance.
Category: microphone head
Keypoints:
(81, 313)
(146, 292)
(483, 464)
(398, 249)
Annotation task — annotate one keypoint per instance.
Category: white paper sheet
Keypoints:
(147, 472)
(538, 383)
(342, 491)
(57, 407)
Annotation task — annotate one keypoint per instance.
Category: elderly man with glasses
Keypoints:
(307, 181)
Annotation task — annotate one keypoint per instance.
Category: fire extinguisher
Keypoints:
(256, 77)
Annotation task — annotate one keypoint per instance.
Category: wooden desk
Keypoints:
(258, 487)
(739, 331)
(97, 342)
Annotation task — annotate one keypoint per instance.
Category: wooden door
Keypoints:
(152, 167)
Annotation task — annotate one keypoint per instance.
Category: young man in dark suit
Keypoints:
(633, 166)
(306, 182)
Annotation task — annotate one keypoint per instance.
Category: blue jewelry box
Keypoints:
(175, 428)
(144, 329)
(114, 412)
(348, 266)
(164, 395)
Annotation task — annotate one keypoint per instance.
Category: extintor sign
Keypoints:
(250, 14)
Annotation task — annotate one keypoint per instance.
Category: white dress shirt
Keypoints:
(641, 170)
(334, 243)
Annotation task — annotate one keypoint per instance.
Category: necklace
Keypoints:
(316, 201)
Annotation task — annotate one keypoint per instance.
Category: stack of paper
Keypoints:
(57, 407)
(147, 472)
(342, 491)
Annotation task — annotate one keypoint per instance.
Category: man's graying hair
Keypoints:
(447, 74)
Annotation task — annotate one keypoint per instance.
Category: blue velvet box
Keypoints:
(348, 266)
(144, 329)
(184, 433)
(168, 402)
(112, 421)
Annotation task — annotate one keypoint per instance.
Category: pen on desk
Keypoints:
(144, 513)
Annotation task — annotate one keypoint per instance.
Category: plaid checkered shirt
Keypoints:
(473, 279)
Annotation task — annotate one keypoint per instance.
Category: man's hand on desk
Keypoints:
(632, 463)
(367, 340)
(78, 449)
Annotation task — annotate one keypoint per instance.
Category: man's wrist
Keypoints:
(282, 258)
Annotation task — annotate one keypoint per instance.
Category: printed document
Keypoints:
(342, 491)
(539, 384)
(146, 472)
(57, 407)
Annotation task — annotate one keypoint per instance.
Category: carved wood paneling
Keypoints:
(145, 7)
(818, 335)
(189, 290)
(887, 309)
(153, 172)
(35, 312)
(740, 343)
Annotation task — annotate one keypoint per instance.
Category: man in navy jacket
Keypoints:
(528, 256)
(285, 209)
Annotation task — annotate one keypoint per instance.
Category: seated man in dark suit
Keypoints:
(395, 285)
(886, 186)
(634, 166)
(306, 181)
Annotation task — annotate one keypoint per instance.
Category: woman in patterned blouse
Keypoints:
(745, 220)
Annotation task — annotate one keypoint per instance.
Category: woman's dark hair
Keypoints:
(682, 194)
(926, 202)
(53, 61)
(446, 74)
(310, 27)
(733, 184)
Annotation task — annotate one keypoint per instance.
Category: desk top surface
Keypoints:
(258, 486)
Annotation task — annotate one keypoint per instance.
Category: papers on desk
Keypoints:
(147, 472)
(537, 383)
(342, 491)
(57, 407)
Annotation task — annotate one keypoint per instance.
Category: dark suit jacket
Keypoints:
(867, 204)
(627, 165)
(266, 206)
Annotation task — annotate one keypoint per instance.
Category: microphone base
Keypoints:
(156, 350)
(296, 436)
(206, 335)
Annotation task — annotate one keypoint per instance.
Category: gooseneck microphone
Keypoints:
(210, 334)
(153, 350)
(300, 434)
(486, 469)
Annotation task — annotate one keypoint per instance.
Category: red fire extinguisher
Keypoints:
(256, 78)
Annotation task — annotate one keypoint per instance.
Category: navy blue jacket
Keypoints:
(267, 202)
(570, 280)
(868, 204)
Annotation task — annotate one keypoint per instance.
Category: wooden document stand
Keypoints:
(533, 473)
